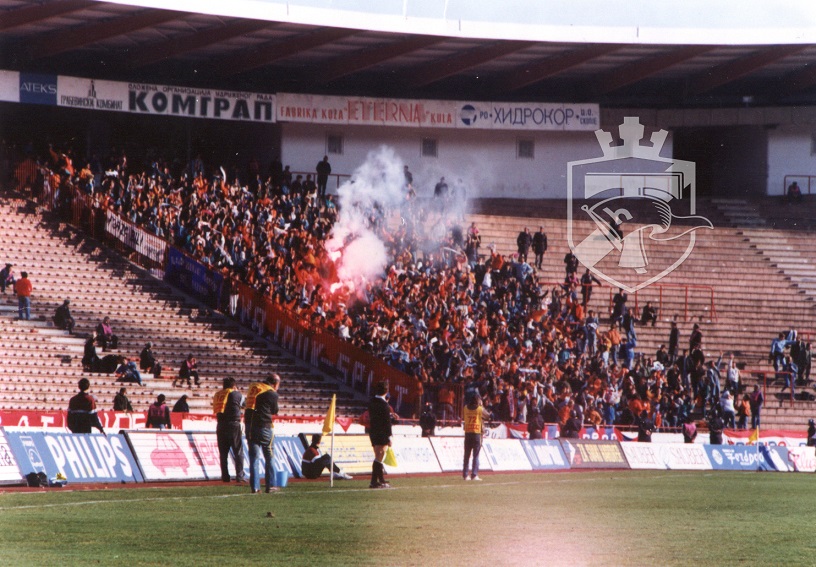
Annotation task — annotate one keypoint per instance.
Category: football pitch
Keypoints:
(568, 518)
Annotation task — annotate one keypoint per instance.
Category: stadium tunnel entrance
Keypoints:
(731, 161)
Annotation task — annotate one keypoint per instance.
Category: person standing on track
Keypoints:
(474, 417)
(262, 406)
(227, 404)
(379, 432)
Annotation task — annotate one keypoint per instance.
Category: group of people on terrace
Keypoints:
(444, 311)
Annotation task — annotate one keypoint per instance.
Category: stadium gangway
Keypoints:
(664, 292)
(764, 378)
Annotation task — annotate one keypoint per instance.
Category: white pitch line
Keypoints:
(321, 492)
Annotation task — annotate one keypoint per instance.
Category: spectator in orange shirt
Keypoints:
(23, 288)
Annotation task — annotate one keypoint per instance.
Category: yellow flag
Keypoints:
(390, 458)
(328, 423)
(754, 438)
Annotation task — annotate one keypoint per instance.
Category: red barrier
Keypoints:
(326, 351)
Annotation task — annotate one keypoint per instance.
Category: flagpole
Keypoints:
(331, 459)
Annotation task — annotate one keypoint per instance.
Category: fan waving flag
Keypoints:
(328, 423)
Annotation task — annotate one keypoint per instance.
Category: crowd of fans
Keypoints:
(443, 311)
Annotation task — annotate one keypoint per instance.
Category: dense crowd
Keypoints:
(444, 310)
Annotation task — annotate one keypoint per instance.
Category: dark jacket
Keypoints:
(266, 407)
(379, 417)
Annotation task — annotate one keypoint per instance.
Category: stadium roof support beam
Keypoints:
(553, 65)
(197, 40)
(81, 36)
(349, 65)
(32, 14)
(733, 70)
(642, 69)
(270, 52)
(445, 68)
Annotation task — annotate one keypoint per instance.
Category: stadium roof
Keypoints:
(408, 53)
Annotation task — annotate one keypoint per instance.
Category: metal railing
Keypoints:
(809, 179)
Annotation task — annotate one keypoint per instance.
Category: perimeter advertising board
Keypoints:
(506, 455)
(450, 452)
(81, 458)
(414, 455)
(9, 471)
(545, 454)
(585, 454)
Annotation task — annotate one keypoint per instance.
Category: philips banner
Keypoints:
(81, 458)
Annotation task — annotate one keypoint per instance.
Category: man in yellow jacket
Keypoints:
(474, 417)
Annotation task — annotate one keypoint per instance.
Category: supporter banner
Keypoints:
(585, 454)
(642, 455)
(324, 350)
(802, 459)
(601, 434)
(352, 453)
(166, 455)
(506, 455)
(318, 109)
(9, 86)
(193, 277)
(688, 456)
(785, 438)
(544, 454)
(81, 458)
(148, 245)
(414, 455)
(9, 471)
(450, 451)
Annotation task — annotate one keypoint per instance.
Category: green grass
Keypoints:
(576, 518)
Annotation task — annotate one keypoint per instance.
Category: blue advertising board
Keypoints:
(37, 88)
(194, 277)
(87, 458)
(545, 454)
(748, 457)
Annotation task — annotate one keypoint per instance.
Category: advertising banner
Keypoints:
(37, 88)
(9, 86)
(601, 433)
(290, 449)
(417, 113)
(194, 277)
(33, 418)
(801, 459)
(734, 457)
(90, 458)
(148, 245)
(544, 454)
(9, 471)
(775, 458)
(450, 451)
(642, 455)
(414, 455)
(352, 453)
(506, 455)
(585, 454)
(689, 456)
(166, 455)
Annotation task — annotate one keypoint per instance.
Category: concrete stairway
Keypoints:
(40, 365)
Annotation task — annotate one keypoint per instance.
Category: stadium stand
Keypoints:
(41, 365)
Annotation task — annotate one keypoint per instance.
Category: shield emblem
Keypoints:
(631, 214)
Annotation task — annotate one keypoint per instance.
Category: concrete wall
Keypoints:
(791, 152)
(485, 161)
